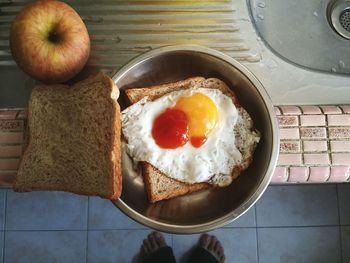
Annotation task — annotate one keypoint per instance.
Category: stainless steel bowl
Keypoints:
(214, 208)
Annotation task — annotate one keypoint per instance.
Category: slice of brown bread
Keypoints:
(154, 92)
(74, 139)
(158, 185)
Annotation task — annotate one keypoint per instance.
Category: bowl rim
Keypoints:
(244, 207)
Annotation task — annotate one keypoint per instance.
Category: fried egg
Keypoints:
(189, 135)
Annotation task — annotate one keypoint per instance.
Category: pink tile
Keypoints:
(289, 159)
(11, 125)
(11, 137)
(308, 109)
(7, 178)
(289, 146)
(9, 164)
(290, 110)
(312, 120)
(331, 109)
(338, 120)
(287, 121)
(340, 133)
(313, 133)
(298, 174)
(319, 174)
(339, 174)
(5, 114)
(10, 150)
(280, 175)
(289, 133)
(315, 146)
(340, 158)
(340, 146)
(277, 111)
(22, 115)
(345, 108)
(316, 158)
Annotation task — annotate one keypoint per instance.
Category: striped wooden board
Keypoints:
(121, 30)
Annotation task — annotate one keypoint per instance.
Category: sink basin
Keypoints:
(289, 45)
(311, 34)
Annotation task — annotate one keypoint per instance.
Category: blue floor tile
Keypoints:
(240, 244)
(1, 246)
(2, 208)
(246, 220)
(45, 246)
(345, 235)
(344, 207)
(116, 246)
(299, 205)
(105, 215)
(46, 211)
(299, 245)
(113, 237)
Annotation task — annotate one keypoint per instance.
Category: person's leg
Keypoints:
(209, 250)
(155, 250)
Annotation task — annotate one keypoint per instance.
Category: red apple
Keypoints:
(49, 41)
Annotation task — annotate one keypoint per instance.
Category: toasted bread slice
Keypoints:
(74, 139)
(154, 92)
(158, 185)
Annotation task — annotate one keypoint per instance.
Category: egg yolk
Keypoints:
(202, 114)
(170, 129)
(192, 118)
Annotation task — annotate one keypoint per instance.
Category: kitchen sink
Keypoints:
(299, 50)
(312, 34)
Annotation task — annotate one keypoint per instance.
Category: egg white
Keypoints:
(217, 156)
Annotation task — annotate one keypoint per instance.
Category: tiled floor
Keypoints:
(300, 223)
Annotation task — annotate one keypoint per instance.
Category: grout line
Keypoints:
(87, 230)
(338, 205)
(121, 229)
(143, 229)
(87, 246)
(116, 229)
(172, 242)
(12, 109)
(329, 151)
(5, 213)
(303, 226)
(87, 213)
(237, 227)
(256, 235)
(340, 234)
(45, 230)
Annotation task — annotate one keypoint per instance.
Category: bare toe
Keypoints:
(152, 243)
(220, 253)
(204, 241)
(217, 248)
(160, 239)
(146, 247)
(213, 245)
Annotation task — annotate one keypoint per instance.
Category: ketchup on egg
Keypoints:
(198, 141)
(191, 119)
(170, 129)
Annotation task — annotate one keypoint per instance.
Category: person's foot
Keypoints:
(152, 243)
(213, 245)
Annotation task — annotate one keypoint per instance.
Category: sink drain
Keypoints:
(345, 19)
(340, 18)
